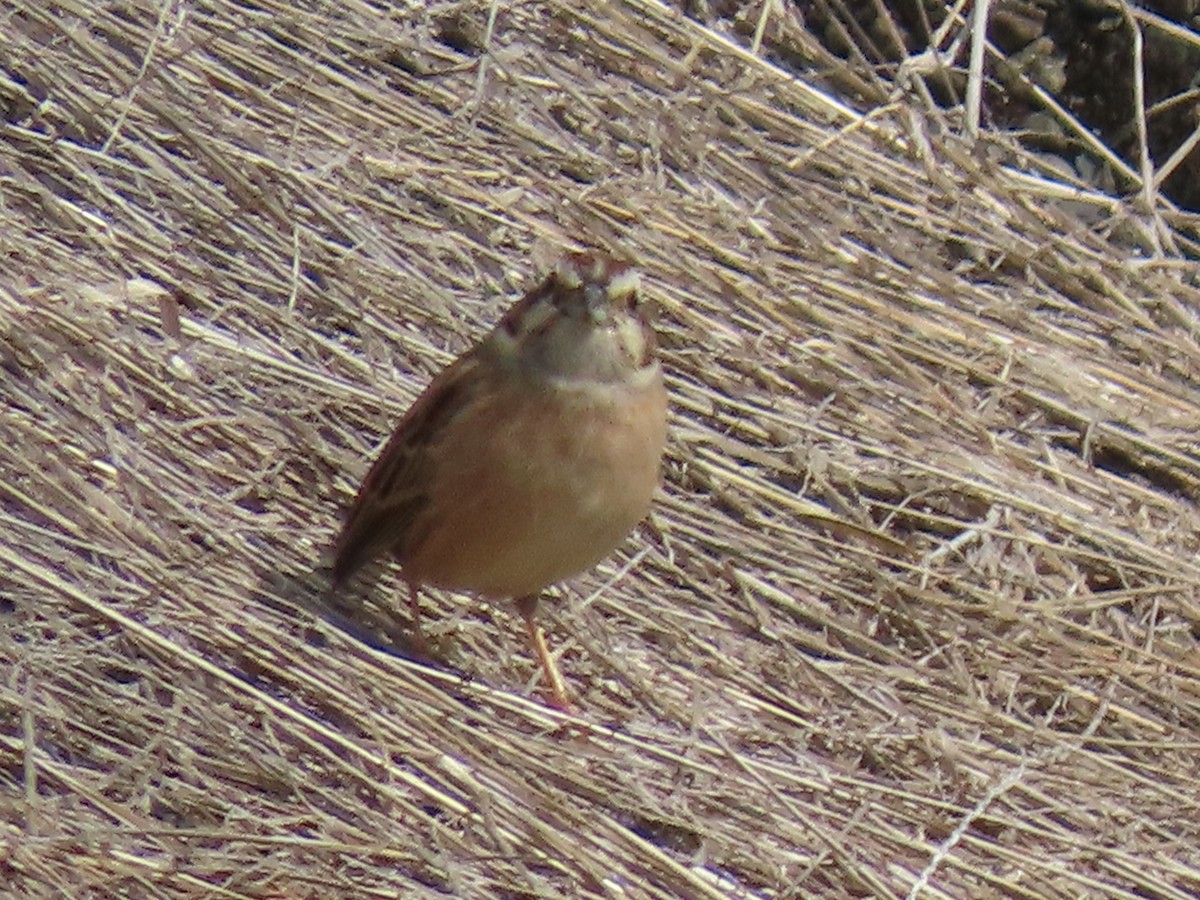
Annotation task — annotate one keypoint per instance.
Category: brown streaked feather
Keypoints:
(396, 489)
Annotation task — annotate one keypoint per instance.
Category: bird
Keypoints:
(530, 457)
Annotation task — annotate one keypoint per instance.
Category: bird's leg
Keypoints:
(414, 608)
(527, 606)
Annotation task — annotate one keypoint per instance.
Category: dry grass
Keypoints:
(917, 609)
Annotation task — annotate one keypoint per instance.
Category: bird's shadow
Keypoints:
(353, 608)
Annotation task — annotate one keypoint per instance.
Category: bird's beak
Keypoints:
(595, 298)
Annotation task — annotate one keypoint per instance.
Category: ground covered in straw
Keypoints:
(916, 613)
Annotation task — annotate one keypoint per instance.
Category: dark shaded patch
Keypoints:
(1162, 476)
(663, 833)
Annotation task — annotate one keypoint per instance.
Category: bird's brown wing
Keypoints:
(387, 510)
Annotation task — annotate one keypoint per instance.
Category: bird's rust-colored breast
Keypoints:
(530, 490)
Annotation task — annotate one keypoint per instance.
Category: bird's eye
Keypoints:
(642, 306)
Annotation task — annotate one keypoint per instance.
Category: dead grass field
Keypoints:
(916, 614)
